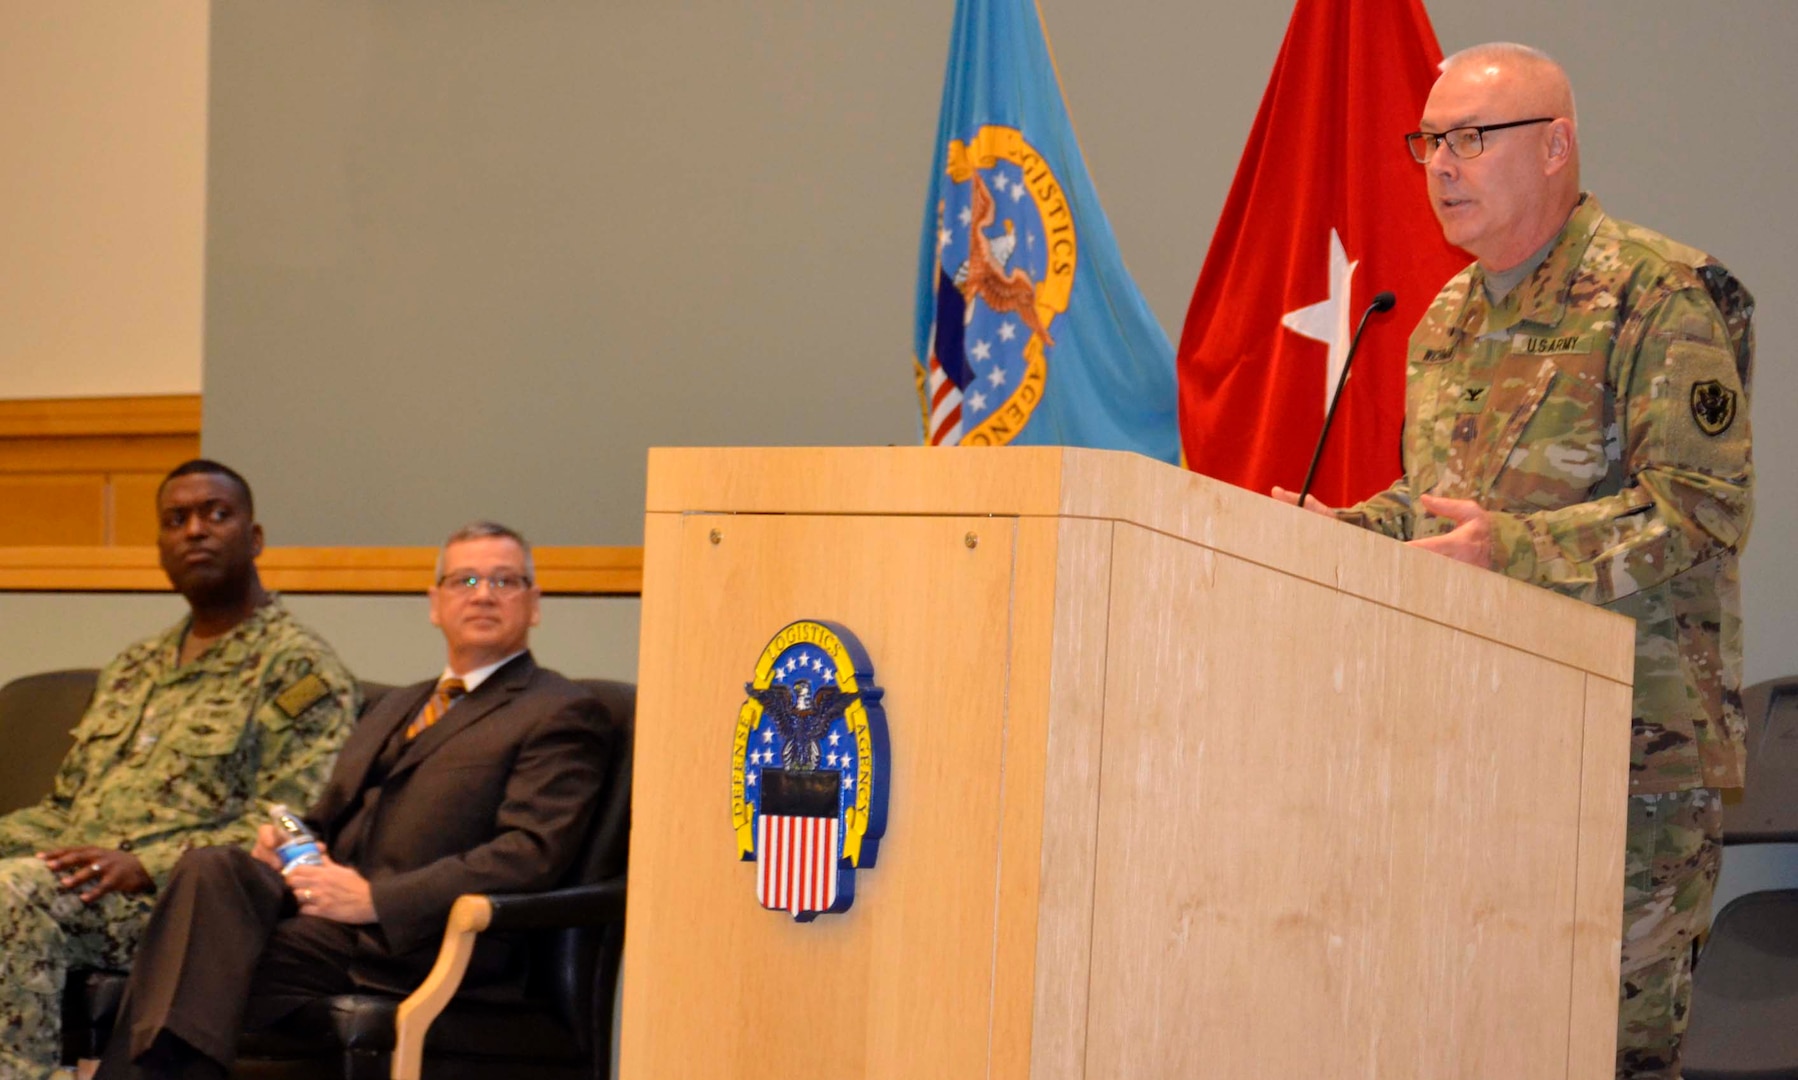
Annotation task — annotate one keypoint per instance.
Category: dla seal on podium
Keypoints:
(809, 769)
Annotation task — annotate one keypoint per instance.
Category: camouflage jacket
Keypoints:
(1600, 411)
(170, 756)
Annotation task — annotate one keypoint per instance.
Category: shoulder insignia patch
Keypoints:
(809, 769)
(1713, 406)
(301, 696)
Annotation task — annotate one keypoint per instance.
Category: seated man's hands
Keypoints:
(267, 840)
(327, 889)
(267, 849)
(331, 891)
(96, 871)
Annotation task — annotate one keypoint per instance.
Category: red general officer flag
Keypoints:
(1327, 209)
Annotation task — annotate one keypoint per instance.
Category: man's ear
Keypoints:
(256, 540)
(1560, 146)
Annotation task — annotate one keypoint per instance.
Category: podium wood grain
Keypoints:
(1185, 782)
(902, 986)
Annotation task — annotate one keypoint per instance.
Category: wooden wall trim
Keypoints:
(561, 571)
(95, 455)
(85, 470)
(161, 414)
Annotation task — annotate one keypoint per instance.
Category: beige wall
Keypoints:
(102, 196)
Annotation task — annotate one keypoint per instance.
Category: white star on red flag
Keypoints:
(1328, 320)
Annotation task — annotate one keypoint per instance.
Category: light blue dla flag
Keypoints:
(1028, 330)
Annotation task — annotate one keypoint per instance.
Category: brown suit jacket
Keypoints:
(494, 797)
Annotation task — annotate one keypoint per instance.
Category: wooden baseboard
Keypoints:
(561, 571)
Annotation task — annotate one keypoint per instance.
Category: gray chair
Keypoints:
(1744, 1017)
(37, 715)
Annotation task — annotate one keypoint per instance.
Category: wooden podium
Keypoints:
(1184, 782)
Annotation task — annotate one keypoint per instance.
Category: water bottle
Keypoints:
(297, 846)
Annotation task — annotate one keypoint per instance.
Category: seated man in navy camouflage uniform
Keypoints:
(188, 734)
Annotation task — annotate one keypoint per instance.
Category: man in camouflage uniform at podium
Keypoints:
(1576, 416)
(188, 734)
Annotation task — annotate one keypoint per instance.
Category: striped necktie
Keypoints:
(447, 692)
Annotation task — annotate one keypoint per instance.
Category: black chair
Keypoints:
(1744, 1016)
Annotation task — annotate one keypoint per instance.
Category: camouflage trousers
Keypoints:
(1673, 852)
(45, 930)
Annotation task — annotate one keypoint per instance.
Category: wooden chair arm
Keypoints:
(470, 915)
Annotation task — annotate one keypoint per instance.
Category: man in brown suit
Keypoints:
(480, 781)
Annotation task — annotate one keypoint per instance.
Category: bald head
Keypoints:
(1505, 203)
(1544, 77)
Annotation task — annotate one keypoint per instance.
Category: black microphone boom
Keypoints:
(1381, 302)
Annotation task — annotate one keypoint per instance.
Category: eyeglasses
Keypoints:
(1463, 142)
(501, 584)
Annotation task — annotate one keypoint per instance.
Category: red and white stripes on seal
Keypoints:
(796, 863)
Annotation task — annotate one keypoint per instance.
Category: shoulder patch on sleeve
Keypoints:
(1713, 407)
(301, 696)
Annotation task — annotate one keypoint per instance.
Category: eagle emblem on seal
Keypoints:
(802, 716)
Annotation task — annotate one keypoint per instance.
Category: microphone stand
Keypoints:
(1381, 302)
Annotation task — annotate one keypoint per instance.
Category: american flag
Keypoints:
(946, 370)
(943, 426)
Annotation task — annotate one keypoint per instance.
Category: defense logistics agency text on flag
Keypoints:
(1028, 330)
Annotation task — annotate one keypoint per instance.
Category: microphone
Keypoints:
(1381, 302)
